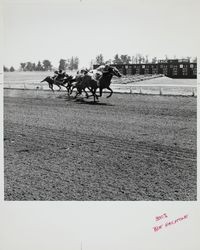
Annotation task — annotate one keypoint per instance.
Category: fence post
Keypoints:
(161, 91)
(37, 88)
(193, 94)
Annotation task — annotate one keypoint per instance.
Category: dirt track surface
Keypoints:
(128, 147)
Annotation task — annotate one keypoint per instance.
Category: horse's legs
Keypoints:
(78, 92)
(111, 92)
(94, 93)
(94, 90)
(71, 90)
(76, 95)
(68, 87)
(100, 92)
(86, 93)
(51, 87)
(73, 87)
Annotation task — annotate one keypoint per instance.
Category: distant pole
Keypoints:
(37, 88)
(193, 94)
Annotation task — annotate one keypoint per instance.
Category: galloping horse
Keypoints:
(93, 82)
(88, 82)
(82, 81)
(105, 80)
(68, 80)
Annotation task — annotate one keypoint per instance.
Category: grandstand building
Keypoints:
(173, 68)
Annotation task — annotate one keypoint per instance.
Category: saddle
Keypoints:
(59, 82)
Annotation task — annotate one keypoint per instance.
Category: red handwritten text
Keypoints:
(176, 221)
(160, 217)
(157, 228)
(168, 223)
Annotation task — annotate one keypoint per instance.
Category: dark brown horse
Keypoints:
(86, 82)
(66, 82)
(103, 82)
(82, 81)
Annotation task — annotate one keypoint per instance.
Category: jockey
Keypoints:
(55, 74)
(103, 68)
(59, 75)
(100, 69)
(84, 71)
(106, 68)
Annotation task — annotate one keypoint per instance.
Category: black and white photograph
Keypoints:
(98, 131)
(100, 101)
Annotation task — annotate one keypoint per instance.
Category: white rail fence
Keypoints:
(137, 85)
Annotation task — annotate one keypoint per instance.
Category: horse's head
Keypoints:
(114, 71)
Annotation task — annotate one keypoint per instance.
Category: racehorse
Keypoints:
(51, 81)
(105, 80)
(82, 81)
(89, 80)
(92, 82)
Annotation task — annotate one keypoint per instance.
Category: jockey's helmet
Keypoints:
(106, 67)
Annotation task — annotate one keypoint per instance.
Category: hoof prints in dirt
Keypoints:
(132, 150)
(138, 170)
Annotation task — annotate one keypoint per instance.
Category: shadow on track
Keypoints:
(81, 100)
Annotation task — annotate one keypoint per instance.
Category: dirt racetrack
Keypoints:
(128, 147)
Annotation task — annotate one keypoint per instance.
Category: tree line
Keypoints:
(136, 59)
(73, 62)
(70, 64)
(11, 69)
(46, 65)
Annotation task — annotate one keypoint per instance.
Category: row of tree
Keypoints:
(73, 62)
(137, 59)
(29, 66)
(11, 69)
(64, 64)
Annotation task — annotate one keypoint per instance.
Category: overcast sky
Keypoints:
(38, 30)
